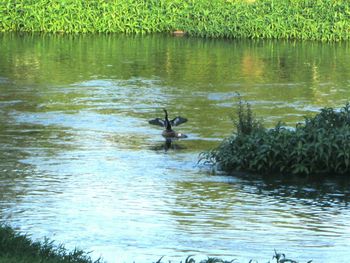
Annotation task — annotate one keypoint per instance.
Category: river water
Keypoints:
(80, 164)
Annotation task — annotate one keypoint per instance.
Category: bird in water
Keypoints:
(169, 133)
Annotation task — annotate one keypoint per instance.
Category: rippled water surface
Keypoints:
(80, 164)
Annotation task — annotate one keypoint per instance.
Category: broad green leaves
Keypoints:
(313, 20)
(319, 146)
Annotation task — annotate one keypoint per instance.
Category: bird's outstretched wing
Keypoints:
(177, 121)
(157, 121)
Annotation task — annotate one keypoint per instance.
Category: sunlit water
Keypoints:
(81, 165)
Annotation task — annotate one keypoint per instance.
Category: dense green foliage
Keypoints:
(321, 145)
(15, 248)
(326, 20)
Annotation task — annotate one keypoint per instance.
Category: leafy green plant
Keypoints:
(320, 145)
(289, 19)
(246, 122)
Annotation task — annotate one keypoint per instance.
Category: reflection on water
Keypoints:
(168, 144)
(80, 164)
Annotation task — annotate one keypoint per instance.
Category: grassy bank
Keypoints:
(325, 20)
(319, 146)
(15, 248)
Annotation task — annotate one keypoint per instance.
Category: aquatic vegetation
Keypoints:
(320, 145)
(289, 19)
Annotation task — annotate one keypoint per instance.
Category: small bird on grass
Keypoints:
(167, 124)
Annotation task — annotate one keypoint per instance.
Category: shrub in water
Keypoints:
(320, 145)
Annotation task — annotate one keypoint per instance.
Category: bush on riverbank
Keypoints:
(325, 20)
(321, 145)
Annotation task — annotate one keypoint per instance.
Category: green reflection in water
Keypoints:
(134, 77)
(74, 111)
(199, 77)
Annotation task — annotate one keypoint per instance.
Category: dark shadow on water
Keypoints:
(168, 144)
(321, 191)
(227, 201)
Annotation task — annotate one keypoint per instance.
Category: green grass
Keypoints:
(319, 146)
(16, 248)
(325, 20)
